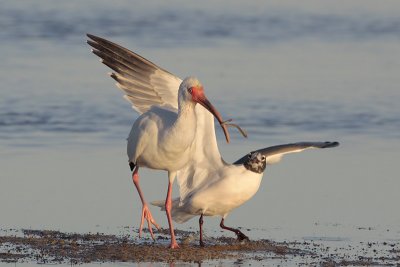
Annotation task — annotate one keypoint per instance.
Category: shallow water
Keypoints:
(285, 72)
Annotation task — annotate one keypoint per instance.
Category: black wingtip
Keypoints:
(330, 144)
(132, 165)
(94, 37)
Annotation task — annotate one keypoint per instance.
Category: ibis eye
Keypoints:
(190, 90)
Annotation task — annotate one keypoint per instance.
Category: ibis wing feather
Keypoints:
(144, 83)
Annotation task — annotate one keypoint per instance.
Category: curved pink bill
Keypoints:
(205, 103)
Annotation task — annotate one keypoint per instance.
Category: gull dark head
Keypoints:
(191, 90)
(255, 162)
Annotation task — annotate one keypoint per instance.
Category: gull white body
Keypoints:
(235, 185)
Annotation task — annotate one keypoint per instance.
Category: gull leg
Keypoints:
(239, 234)
(168, 207)
(146, 214)
(201, 230)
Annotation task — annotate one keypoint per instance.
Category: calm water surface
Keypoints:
(284, 72)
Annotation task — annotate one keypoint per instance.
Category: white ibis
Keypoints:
(163, 136)
(216, 188)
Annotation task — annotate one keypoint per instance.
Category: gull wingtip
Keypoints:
(329, 144)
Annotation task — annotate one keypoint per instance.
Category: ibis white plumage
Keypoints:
(165, 134)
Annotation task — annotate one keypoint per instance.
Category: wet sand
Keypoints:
(52, 247)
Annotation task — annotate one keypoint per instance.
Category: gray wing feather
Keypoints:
(144, 83)
(279, 150)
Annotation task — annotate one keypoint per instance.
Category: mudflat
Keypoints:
(52, 247)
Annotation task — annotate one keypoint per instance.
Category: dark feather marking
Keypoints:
(132, 165)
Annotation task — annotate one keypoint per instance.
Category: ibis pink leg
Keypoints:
(201, 230)
(146, 214)
(168, 206)
(239, 234)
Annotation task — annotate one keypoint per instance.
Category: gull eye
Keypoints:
(190, 90)
(249, 155)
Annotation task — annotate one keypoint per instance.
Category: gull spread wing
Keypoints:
(274, 154)
(144, 83)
